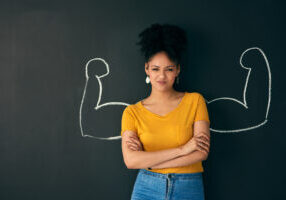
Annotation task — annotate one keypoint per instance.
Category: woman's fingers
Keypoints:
(132, 136)
(135, 140)
(202, 149)
(204, 136)
(202, 145)
(203, 140)
(136, 145)
(132, 146)
(205, 143)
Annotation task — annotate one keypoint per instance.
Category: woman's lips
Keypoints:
(162, 82)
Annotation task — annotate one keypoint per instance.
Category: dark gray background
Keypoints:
(44, 47)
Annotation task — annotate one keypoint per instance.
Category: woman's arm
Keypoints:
(200, 126)
(181, 161)
(177, 157)
(140, 159)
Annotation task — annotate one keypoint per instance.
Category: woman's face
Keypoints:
(162, 71)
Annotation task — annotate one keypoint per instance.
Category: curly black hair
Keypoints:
(168, 38)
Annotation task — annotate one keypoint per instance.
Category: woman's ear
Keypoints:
(178, 70)
(146, 68)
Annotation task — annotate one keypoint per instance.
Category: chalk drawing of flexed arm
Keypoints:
(95, 111)
(251, 112)
(226, 109)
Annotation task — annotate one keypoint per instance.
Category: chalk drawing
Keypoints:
(98, 105)
(244, 103)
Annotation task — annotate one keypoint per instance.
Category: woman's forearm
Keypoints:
(145, 159)
(181, 161)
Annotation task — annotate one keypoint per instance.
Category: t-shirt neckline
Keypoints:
(169, 113)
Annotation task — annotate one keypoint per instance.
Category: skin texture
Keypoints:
(162, 100)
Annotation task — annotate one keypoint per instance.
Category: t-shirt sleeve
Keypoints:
(127, 121)
(201, 111)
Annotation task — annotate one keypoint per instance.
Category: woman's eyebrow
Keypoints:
(165, 67)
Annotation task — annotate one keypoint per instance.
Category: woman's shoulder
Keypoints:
(195, 94)
(130, 107)
(133, 108)
(195, 97)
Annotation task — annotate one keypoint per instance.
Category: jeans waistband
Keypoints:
(171, 175)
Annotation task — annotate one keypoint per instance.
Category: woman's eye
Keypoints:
(157, 69)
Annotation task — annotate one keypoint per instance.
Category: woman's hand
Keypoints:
(134, 143)
(200, 142)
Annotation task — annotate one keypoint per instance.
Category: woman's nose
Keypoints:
(162, 74)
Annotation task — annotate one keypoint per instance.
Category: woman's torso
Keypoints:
(174, 129)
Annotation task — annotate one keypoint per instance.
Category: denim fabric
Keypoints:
(171, 186)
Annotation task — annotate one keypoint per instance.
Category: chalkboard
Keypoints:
(69, 68)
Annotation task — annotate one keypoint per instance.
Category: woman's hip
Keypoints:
(152, 185)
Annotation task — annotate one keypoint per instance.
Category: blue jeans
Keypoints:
(171, 186)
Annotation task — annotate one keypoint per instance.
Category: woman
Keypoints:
(166, 135)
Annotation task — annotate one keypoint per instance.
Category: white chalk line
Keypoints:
(244, 103)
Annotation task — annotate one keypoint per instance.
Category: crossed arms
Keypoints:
(195, 150)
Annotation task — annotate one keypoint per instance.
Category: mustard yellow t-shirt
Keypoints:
(174, 129)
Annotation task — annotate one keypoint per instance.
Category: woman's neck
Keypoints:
(162, 96)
